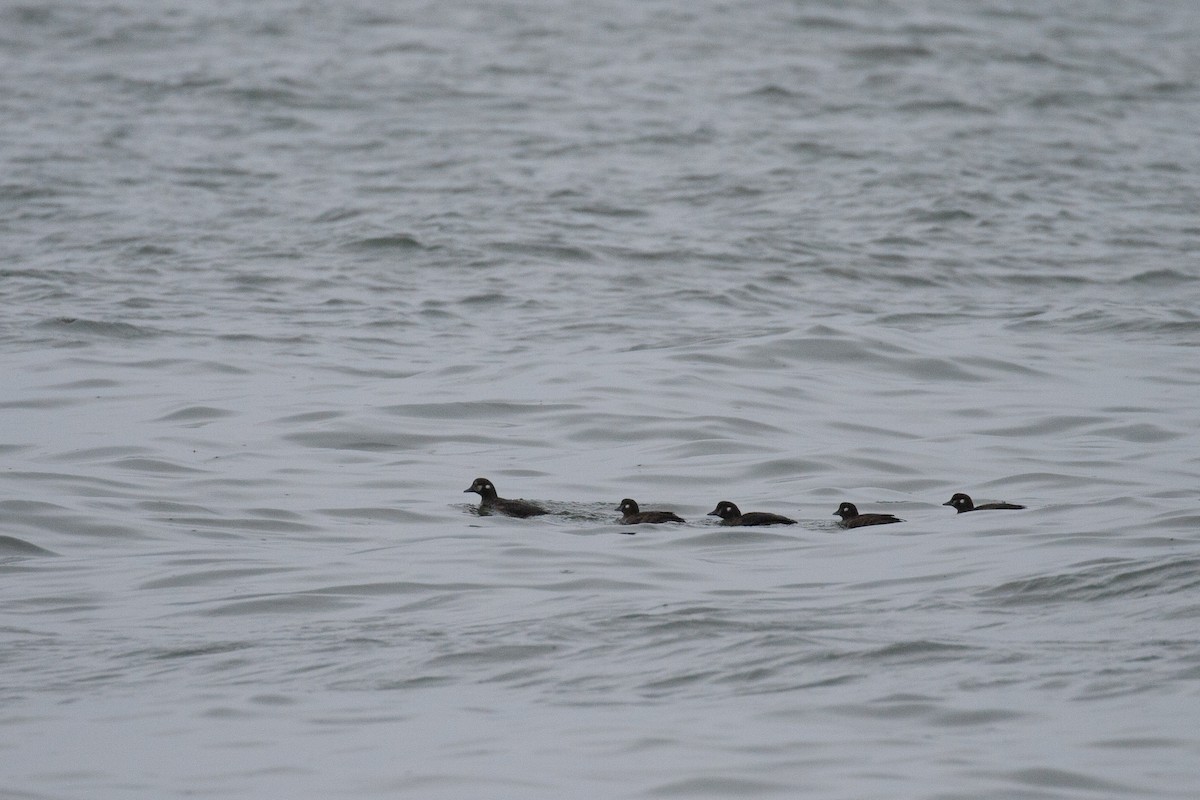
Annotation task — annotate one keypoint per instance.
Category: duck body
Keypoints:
(491, 503)
(852, 519)
(730, 514)
(962, 503)
(635, 516)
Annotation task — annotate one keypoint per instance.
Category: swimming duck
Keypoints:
(963, 503)
(852, 519)
(490, 503)
(634, 516)
(731, 515)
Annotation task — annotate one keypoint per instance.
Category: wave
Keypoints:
(1108, 579)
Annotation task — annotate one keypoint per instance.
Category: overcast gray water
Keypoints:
(278, 280)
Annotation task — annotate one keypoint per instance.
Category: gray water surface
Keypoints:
(279, 280)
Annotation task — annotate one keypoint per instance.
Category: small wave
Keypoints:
(42, 403)
(1159, 278)
(108, 330)
(297, 603)
(99, 454)
(24, 193)
(946, 105)
(397, 241)
(827, 23)
(974, 717)
(266, 96)
(541, 250)
(497, 654)
(338, 214)
(213, 649)
(918, 651)
(309, 416)
(1114, 578)
(606, 210)
(1057, 424)
(478, 409)
(1143, 433)
(196, 414)
(381, 441)
(210, 576)
(719, 786)
(220, 527)
(1061, 99)
(485, 299)
(388, 514)
(58, 521)
(88, 384)
(1053, 778)
(155, 466)
(12, 546)
(890, 52)
(938, 216)
(772, 91)
(784, 468)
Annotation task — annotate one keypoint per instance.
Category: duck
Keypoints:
(731, 515)
(491, 503)
(963, 503)
(634, 516)
(852, 519)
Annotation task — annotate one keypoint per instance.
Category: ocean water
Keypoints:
(279, 280)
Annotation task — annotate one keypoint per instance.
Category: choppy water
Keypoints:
(279, 280)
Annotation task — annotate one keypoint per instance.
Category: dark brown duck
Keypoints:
(490, 503)
(962, 502)
(852, 519)
(731, 515)
(635, 516)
